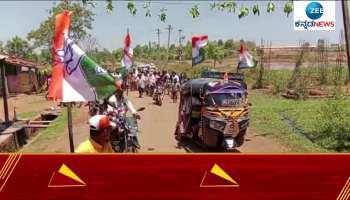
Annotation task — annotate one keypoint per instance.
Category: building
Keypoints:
(21, 75)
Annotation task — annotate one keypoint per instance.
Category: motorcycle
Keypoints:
(124, 137)
(96, 108)
(174, 91)
(157, 96)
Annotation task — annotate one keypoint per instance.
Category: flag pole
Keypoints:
(70, 127)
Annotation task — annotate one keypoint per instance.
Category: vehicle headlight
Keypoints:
(217, 125)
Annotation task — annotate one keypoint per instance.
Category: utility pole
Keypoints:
(346, 21)
(169, 28)
(180, 45)
(158, 34)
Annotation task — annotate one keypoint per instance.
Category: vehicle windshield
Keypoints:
(223, 99)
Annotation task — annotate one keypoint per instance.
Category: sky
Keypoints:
(20, 17)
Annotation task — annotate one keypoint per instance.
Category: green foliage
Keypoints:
(334, 123)
(109, 6)
(256, 9)
(267, 120)
(229, 44)
(132, 8)
(45, 72)
(288, 7)
(224, 6)
(147, 7)
(162, 15)
(271, 7)
(244, 11)
(194, 11)
(228, 6)
(103, 57)
(1, 46)
(18, 47)
(81, 23)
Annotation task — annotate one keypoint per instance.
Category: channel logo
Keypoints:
(314, 15)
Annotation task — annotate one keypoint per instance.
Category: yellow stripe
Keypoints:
(4, 166)
(8, 166)
(14, 166)
(344, 190)
(347, 193)
(8, 170)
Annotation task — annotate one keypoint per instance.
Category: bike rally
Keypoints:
(111, 128)
(213, 108)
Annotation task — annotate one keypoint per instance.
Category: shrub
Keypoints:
(334, 123)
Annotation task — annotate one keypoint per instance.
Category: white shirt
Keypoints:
(176, 77)
(114, 101)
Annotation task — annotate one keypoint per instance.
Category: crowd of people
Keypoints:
(106, 114)
(154, 82)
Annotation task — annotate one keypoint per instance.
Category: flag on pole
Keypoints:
(127, 52)
(197, 43)
(245, 59)
(75, 76)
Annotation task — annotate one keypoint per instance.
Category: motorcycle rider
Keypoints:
(100, 130)
(118, 100)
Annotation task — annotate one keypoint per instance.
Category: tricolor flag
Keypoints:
(75, 76)
(127, 52)
(245, 59)
(197, 43)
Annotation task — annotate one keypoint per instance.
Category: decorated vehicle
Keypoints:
(214, 111)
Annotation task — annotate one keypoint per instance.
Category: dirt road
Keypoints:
(156, 135)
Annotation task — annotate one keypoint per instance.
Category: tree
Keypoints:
(117, 54)
(81, 23)
(1, 47)
(229, 44)
(19, 48)
(88, 44)
(220, 42)
(138, 51)
(214, 52)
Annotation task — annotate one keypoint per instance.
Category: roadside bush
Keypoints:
(279, 80)
(334, 123)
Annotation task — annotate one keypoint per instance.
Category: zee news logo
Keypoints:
(315, 16)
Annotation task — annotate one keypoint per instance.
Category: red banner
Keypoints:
(188, 176)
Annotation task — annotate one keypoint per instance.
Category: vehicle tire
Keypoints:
(240, 137)
(178, 135)
(220, 143)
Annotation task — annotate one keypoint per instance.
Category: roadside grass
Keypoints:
(267, 117)
(47, 136)
(26, 115)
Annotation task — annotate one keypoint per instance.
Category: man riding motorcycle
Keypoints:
(117, 108)
(118, 100)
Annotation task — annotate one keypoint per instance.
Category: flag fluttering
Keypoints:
(75, 76)
(245, 59)
(127, 52)
(197, 43)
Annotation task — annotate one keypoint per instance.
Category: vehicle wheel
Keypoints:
(220, 143)
(178, 135)
(241, 137)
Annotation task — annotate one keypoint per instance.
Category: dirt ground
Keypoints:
(25, 103)
(157, 131)
(156, 127)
